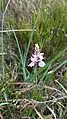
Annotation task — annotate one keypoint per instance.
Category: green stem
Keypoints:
(2, 39)
(35, 72)
(2, 36)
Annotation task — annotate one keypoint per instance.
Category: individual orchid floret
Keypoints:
(37, 58)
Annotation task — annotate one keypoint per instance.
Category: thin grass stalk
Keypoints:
(52, 71)
(2, 36)
(30, 39)
(2, 4)
(53, 60)
(57, 67)
(21, 57)
(16, 30)
(2, 40)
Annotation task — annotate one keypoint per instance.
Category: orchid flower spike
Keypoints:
(37, 57)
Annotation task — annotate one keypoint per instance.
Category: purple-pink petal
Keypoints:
(31, 64)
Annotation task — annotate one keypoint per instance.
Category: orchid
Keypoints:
(37, 58)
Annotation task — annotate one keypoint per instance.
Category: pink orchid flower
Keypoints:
(37, 57)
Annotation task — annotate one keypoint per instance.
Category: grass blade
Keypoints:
(30, 39)
(21, 57)
(2, 37)
(52, 61)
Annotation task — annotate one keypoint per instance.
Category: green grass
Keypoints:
(34, 93)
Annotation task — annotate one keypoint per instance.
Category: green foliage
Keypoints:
(27, 92)
(51, 28)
